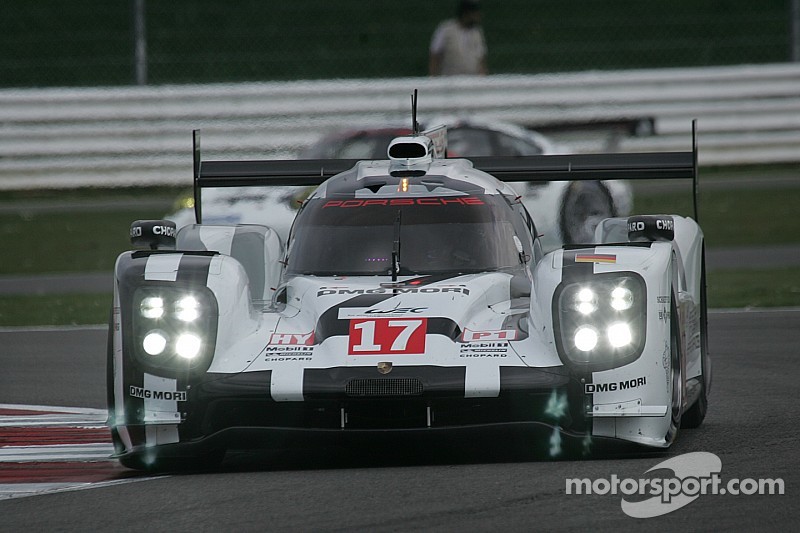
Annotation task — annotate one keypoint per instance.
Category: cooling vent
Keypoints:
(376, 388)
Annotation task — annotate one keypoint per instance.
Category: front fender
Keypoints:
(629, 397)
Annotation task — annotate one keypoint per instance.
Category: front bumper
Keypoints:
(359, 398)
(236, 411)
(532, 438)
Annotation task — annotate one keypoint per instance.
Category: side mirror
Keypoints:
(153, 234)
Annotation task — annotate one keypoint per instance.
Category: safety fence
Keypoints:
(130, 136)
(52, 43)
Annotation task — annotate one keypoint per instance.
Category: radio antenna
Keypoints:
(396, 247)
(414, 123)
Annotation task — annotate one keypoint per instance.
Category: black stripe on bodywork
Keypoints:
(247, 247)
(327, 382)
(521, 378)
(243, 384)
(130, 271)
(319, 383)
(574, 272)
(190, 239)
(147, 253)
(193, 269)
(440, 381)
(422, 281)
(330, 325)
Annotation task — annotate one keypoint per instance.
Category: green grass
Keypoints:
(754, 288)
(736, 217)
(66, 309)
(35, 243)
(726, 289)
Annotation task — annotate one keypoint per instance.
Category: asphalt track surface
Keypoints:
(752, 426)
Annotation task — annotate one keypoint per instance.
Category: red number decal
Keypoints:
(374, 336)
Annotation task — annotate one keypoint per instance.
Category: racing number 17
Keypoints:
(373, 336)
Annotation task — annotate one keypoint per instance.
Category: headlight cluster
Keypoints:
(174, 328)
(601, 321)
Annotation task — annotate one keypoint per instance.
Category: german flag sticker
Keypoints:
(595, 258)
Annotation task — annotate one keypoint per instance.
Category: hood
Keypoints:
(450, 303)
(473, 320)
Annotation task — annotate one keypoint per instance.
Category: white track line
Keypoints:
(22, 490)
(77, 421)
(53, 409)
(100, 451)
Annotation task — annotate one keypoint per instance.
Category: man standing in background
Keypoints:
(458, 46)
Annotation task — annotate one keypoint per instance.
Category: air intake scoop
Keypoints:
(417, 152)
(410, 150)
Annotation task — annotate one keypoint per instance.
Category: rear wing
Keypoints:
(572, 167)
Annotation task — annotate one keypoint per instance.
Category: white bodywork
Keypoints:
(282, 330)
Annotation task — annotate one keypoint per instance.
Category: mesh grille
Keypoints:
(384, 387)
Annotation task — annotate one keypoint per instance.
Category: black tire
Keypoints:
(110, 402)
(110, 365)
(694, 416)
(584, 205)
(676, 376)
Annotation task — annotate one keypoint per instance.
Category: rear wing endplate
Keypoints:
(572, 167)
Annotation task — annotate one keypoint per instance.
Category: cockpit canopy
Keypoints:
(457, 232)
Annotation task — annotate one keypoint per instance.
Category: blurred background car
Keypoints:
(465, 138)
(564, 212)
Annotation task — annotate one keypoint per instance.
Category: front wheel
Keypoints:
(676, 377)
(694, 416)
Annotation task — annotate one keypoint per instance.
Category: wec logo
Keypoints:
(396, 310)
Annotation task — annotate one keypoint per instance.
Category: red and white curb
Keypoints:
(47, 449)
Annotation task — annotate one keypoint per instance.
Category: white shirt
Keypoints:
(462, 49)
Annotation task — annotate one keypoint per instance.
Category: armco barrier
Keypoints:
(130, 136)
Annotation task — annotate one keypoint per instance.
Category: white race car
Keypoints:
(412, 300)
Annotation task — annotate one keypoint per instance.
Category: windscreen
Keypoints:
(438, 234)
